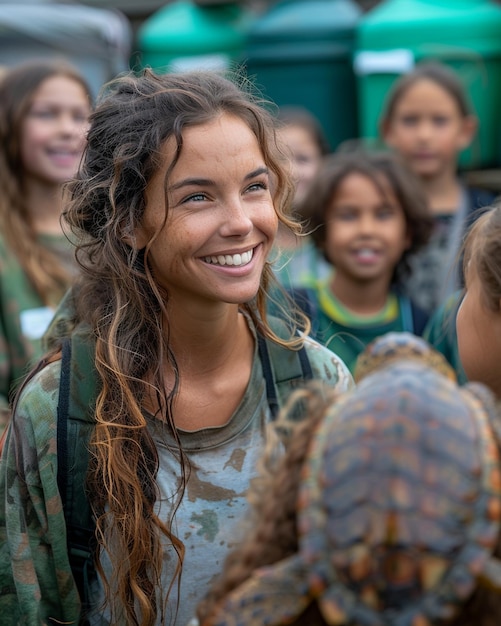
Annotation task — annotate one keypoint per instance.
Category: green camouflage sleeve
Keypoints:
(327, 366)
(36, 583)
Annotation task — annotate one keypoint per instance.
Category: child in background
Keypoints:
(44, 110)
(368, 215)
(478, 320)
(304, 142)
(385, 510)
(428, 121)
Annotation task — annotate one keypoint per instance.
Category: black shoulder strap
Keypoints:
(62, 419)
(74, 425)
(419, 319)
(283, 368)
(306, 299)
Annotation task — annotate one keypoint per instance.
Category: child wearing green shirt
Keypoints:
(367, 215)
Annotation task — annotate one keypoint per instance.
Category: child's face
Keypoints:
(479, 335)
(428, 129)
(305, 157)
(366, 230)
(221, 218)
(53, 132)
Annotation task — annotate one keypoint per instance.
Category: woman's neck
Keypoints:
(214, 355)
(204, 341)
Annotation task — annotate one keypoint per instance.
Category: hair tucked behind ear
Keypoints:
(125, 310)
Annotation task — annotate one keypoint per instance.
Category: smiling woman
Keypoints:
(176, 367)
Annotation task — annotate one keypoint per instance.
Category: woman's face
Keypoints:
(53, 131)
(221, 219)
(479, 335)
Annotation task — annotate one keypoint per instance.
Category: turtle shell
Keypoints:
(398, 346)
(399, 503)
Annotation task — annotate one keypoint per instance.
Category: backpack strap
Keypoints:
(63, 408)
(414, 318)
(306, 299)
(420, 318)
(75, 421)
(283, 369)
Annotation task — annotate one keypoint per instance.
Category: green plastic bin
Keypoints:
(184, 36)
(301, 53)
(464, 34)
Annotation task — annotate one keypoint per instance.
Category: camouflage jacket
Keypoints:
(36, 583)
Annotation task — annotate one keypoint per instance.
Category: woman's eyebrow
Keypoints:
(207, 182)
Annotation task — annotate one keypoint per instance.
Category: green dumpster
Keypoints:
(464, 34)
(301, 53)
(183, 36)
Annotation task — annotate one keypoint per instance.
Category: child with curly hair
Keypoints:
(368, 216)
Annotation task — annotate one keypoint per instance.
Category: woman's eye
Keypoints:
(196, 197)
(257, 186)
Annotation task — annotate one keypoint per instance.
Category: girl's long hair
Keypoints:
(125, 311)
(17, 88)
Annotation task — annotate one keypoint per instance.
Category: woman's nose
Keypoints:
(237, 220)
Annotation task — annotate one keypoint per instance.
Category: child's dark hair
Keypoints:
(436, 72)
(406, 187)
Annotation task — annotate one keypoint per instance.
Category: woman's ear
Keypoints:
(140, 238)
(137, 239)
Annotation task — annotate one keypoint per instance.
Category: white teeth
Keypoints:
(366, 252)
(230, 259)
